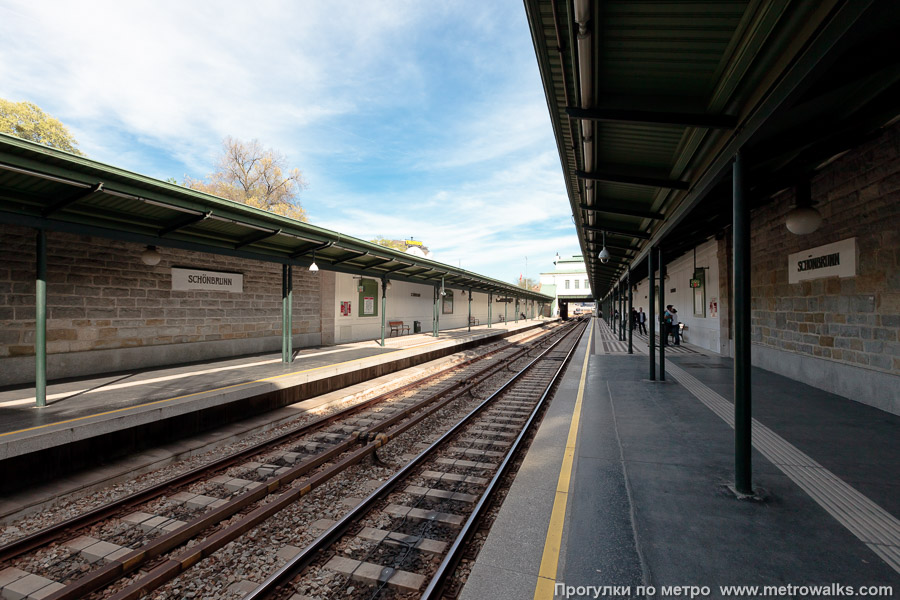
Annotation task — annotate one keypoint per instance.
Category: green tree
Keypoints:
(27, 121)
(255, 176)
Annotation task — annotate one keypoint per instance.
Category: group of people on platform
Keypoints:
(638, 319)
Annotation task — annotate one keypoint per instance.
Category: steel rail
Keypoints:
(54, 532)
(115, 569)
(439, 580)
(326, 539)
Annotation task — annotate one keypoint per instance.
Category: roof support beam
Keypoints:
(616, 231)
(256, 238)
(618, 177)
(631, 212)
(378, 261)
(61, 204)
(345, 258)
(313, 248)
(654, 117)
(182, 223)
(400, 268)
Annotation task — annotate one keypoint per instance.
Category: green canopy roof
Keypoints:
(45, 188)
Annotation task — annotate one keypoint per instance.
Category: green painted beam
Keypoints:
(654, 117)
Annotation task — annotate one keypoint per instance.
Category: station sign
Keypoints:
(196, 279)
(412, 242)
(831, 260)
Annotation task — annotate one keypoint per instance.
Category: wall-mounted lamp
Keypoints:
(313, 267)
(604, 253)
(387, 285)
(150, 256)
(804, 219)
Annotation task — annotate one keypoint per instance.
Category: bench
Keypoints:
(398, 327)
(473, 321)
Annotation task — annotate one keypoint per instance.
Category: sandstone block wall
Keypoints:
(854, 320)
(101, 297)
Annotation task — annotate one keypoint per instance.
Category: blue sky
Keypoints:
(422, 119)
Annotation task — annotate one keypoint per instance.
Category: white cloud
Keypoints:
(406, 117)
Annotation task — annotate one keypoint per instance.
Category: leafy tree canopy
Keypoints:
(395, 244)
(27, 121)
(256, 176)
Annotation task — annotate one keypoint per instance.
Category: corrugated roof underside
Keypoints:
(665, 48)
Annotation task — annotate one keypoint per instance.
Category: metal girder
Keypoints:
(378, 261)
(61, 204)
(654, 117)
(342, 259)
(185, 222)
(257, 238)
(400, 268)
(423, 271)
(616, 231)
(610, 245)
(631, 212)
(313, 248)
(620, 177)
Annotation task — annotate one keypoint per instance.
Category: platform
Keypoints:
(129, 411)
(643, 498)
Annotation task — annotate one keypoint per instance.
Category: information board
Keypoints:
(368, 294)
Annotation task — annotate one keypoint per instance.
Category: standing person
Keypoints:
(676, 330)
(666, 325)
(641, 321)
(634, 319)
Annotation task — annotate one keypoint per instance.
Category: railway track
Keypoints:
(407, 537)
(201, 507)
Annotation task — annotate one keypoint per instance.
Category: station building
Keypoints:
(105, 270)
(568, 283)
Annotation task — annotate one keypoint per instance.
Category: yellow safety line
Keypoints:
(553, 544)
(110, 412)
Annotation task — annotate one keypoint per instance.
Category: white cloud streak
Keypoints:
(407, 118)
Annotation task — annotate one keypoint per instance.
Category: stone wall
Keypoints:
(102, 301)
(854, 321)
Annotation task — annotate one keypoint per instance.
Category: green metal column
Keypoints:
(490, 306)
(505, 313)
(612, 311)
(290, 314)
(40, 321)
(651, 318)
(284, 313)
(623, 318)
(742, 398)
(630, 308)
(383, 306)
(437, 299)
(662, 308)
(517, 310)
(470, 310)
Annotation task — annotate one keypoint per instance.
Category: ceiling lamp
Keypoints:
(314, 268)
(804, 219)
(604, 253)
(150, 256)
